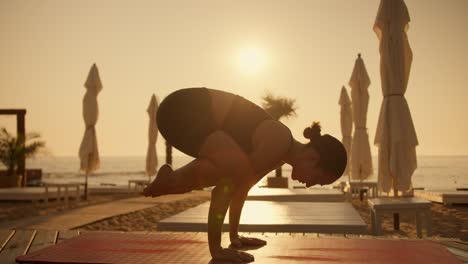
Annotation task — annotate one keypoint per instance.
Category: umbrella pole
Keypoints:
(361, 190)
(396, 216)
(349, 184)
(349, 176)
(86, 186)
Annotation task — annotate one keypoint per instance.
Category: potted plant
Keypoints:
(278, 107)
(12, 151)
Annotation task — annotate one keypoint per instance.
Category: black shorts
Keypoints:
(185, 119)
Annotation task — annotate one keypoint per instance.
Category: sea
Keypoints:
(433, 172)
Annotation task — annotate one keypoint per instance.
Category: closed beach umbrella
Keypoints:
(361, 162)
(89, 154)
(151, 157)
(346, 121)
(395, 136)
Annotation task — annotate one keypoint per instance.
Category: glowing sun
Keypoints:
(251, 60)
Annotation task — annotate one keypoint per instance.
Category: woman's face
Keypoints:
(306, 169)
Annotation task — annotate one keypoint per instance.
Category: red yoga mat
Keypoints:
(193, 248)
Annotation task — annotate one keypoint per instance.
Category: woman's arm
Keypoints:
(271, 141)
(235, 210)
(220, 198)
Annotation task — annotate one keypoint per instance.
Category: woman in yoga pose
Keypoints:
(235, 143)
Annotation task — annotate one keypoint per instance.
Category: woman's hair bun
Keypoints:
(313, 132)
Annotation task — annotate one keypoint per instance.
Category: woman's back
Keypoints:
(187, 116)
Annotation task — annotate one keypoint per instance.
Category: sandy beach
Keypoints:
(448, 221)
(146, 220)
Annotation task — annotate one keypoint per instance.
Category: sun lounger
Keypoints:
(446, 197)
(296, 195)
(138, 185)
(357, 187)
(267, 216)
(420, 208)
(107, 189)
(44, 193)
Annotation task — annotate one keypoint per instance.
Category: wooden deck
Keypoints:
(296, 195)
(108, 189)
(166, 247)
(264, 216)
(443, 196)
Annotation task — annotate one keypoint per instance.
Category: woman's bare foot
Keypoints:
(159, 184)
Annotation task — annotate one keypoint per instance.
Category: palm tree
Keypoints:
(13, 149)
(279, 107)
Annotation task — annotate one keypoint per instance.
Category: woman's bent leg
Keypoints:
(220, 157)
(228, 158)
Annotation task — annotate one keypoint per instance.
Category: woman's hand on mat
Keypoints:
(231, 255)
(242, 242)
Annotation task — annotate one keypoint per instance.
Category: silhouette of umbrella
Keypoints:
(151, 156)
(346, 121)
(395, 136)
(89, 154)
(361, 162)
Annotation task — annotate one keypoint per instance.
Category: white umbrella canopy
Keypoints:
(346, 121)
(151, 156)
(361, 161)
(89, 154)
(395, 136)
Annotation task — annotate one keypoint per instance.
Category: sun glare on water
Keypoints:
(252, 60)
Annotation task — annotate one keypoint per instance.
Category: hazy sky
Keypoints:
(302, 49)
